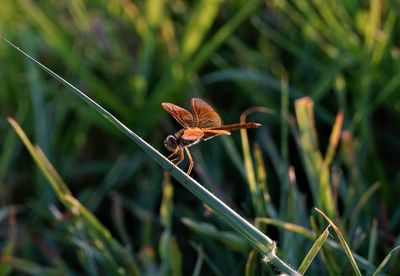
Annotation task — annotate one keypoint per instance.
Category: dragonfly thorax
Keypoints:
(171, 143)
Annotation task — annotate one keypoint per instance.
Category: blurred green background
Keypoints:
(130, 56)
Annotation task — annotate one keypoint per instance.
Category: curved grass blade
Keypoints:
(254, 236)
(294, 228)
(342, 241)
(361, 203)
(250, 269)
(313, 251)
(384, 262)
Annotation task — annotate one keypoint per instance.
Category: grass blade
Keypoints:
(384, 262)
(334, 138)
(288, 226)
(373, 241)
(200, 22)
(313, 251)
(231, 240)
(361, 203)
(250, 269)
(342, 242)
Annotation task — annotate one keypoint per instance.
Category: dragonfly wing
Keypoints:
(203, 115)
(181, 115)
(192, 134)
(211, 133)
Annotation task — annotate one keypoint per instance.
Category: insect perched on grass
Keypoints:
(202, 124)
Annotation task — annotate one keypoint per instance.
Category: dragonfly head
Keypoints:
(171, 143)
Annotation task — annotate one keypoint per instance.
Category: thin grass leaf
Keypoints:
(372, 25)
(385, 35)
(231, 240)
(199, 263)
(207, 259)
(212, 44)
(288, 226)
(250, 269)
(200, 22)
(257, 197)
(327, 256)
(234, 155)
(340, 88)
(176, 258)
(147, 50)
(384, 262)
(342, 241)
(118, 216)
(164, 252)
(55, 180)
(120, 171)
(324, 85)
(361, 203)
(387, 91)
(284, 42)
(37, 91)
(255, 237)
(334, 139)
(171, 259)
(373, 239)
(80, 15)
(154, 10)
(284, 135)
(326, 197)
(313, 252)
(9, 144)
(250, 174)
(306, 121)
(261, 175)
(28, 267)
(166, 208)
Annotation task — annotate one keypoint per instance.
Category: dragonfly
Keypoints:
(202, 124)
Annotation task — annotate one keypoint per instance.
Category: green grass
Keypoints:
(94, 202)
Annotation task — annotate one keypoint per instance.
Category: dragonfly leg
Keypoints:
(175, 152)
(191, 163)
(174, 159)
(180, 158)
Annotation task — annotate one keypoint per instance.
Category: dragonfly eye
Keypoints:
(170, 143)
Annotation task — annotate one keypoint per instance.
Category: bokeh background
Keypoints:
(130, 56)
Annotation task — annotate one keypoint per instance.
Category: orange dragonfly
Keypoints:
(202, 123)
